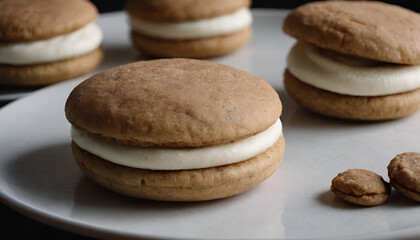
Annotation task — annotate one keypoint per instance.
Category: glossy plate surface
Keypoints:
(39, 177)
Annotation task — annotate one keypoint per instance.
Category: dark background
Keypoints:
(17, 226)
(114, 5)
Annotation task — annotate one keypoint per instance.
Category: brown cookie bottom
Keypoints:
(181, 185)
(49, 73)
(406, 191)
(364, 200)
(352, 107)
(194, 48)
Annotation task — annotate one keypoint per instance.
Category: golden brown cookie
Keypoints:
(25, 22)
(360, 28)
(183, 10)
(192, 48)
(175, 104)
(361, 187)
(404, 174)
(49, 73)
(365, 45)
(186, 11)
(28, 20)
(220, 105)
(351, 107)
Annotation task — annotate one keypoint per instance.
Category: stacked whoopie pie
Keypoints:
(354, 59)
(176, 129)
(47, 41)
(189, 28)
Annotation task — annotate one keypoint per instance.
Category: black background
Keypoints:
(115, 5)
(17, 226)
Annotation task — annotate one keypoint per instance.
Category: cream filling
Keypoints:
(177, 159)
(79, 42)
(350, 75)
(221, 25)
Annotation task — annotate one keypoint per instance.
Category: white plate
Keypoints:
(39, 177)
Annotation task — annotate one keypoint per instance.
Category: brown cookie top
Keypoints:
(182, 10)
(361, 187)
(29, 20)
(173, 102)
(404, 170)
(366, 29)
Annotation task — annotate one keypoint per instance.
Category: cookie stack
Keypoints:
(192, 29)
(176, 129)
(47, 41)
(354, 60)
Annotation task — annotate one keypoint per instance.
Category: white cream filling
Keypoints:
(177, 159)
(221, 25)
(79, 42)
(350, 75)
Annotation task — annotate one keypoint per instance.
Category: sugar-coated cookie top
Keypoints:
(30, 20)
(368, 29)
(182, 10)
(173, 102)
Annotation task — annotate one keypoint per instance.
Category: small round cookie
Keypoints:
(47, 41)
(176, 129)
(404, 174)
(361, 187)
(192, 29)
(339, 68)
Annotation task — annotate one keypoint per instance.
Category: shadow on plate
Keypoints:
(90, 196)
(49, 176)
(329, 199)
(396, 200)
(305, 119)
(51, 173)
(47, 173)
(116, 55)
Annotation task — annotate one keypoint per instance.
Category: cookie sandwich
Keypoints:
(361, 187)
(354, 59)
(47, 41)
(404, 174)
(176, 129)
(192, 29)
